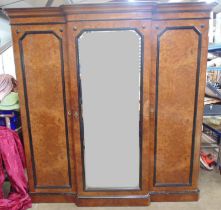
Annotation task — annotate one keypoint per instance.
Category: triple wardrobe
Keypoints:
(111, 100)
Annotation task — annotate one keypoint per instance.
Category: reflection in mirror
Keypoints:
(110, 83)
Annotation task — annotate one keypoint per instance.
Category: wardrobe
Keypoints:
(111, 100)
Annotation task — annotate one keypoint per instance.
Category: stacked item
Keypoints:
(210, 145)
(215, 61)
(209, 154)
(9, 103)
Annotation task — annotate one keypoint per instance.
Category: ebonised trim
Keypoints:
(155, 184)
(109, 19)
(110, 189)
(119, 19)
(182, 11)
(145, 11)
(82, 12)
(36, 186)
(135, 19)
(39, 23)
(35, 16)
(115, 197)
(80, 108)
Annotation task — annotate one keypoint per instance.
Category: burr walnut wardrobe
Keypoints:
(112, 100)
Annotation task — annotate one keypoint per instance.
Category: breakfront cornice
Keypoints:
(110, 11)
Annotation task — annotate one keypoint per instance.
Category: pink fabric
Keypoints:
(13, 158)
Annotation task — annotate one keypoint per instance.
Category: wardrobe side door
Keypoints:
(178, 83)
(40, 55)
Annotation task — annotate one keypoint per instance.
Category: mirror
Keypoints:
(110, 80)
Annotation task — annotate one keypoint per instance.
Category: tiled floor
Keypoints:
(210, 199)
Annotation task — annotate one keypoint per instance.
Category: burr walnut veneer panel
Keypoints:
(43, 75)
(176, 103)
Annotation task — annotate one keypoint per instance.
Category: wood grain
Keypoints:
(42, 72)
(176, 95)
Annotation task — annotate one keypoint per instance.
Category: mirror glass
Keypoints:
(109, 74)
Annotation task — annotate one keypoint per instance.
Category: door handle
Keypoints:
(69, 113)
(152, 110)
(76, 115)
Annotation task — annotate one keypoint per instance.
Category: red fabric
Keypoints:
(13, 158)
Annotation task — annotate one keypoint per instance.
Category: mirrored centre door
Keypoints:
(110, 82)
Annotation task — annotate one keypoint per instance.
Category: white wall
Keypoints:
(7, 65)
(218, 28)
(5, 31)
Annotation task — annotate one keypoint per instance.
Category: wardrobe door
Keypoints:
(110, 108)
(178, 89)
(43, 88)
(110, 76)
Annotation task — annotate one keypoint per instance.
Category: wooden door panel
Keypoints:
(145, 34)
(177, 75)
(44, 91)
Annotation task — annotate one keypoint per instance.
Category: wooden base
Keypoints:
(139, 200)
(91, 201)
(114, 201)
(175, 196)
(53, 198)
